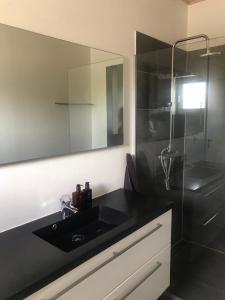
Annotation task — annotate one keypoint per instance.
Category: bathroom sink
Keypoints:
(94, 226)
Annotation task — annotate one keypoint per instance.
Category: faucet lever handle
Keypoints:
(67, 207)
(65, 199)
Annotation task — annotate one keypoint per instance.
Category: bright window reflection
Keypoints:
(194, 95)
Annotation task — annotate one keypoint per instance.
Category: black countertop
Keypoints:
(28, 263)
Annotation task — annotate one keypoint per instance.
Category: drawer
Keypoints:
(148, 240)
(129, 255)
(148, 282)
(112, 266)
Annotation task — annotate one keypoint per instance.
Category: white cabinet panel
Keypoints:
(148, 282)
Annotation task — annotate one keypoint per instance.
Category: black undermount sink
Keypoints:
(97, 224)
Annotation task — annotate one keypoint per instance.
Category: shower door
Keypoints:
(200, 97)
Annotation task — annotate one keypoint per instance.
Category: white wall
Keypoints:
(207, 17)
(31, 190)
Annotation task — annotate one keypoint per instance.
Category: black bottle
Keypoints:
(78, 198)
(88, 195)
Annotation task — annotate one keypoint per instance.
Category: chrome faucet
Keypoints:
(67, 208)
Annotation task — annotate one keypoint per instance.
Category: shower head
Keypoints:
(210, 53)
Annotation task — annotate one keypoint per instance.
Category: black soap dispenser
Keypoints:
(78, 198)
(88, 195)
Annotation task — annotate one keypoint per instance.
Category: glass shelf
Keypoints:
(156, 110)
(73, 103)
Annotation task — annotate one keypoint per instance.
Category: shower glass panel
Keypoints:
(201, 99)
(153, 82)
(197, 185)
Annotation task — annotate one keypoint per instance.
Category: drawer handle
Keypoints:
(210, 220)
(158, 265)
(91, 272)
(118, 253)
(213, 190)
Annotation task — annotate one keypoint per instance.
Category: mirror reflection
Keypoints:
(56, 97)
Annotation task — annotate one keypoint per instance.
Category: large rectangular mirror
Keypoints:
(56, 97)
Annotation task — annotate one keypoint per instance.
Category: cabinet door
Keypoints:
(129, 255)
(147, 283)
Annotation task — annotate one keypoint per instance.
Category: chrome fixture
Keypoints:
(67, 207)
(168, 154)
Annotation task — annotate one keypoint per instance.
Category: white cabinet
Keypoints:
(148, 282)
(137, 267)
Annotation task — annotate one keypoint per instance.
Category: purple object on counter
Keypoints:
(130, 180)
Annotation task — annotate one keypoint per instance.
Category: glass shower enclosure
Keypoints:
(200, 97)
(197, 177)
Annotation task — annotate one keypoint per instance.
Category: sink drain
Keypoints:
(78, 238)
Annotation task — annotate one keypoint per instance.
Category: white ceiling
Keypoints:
(192, 1)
